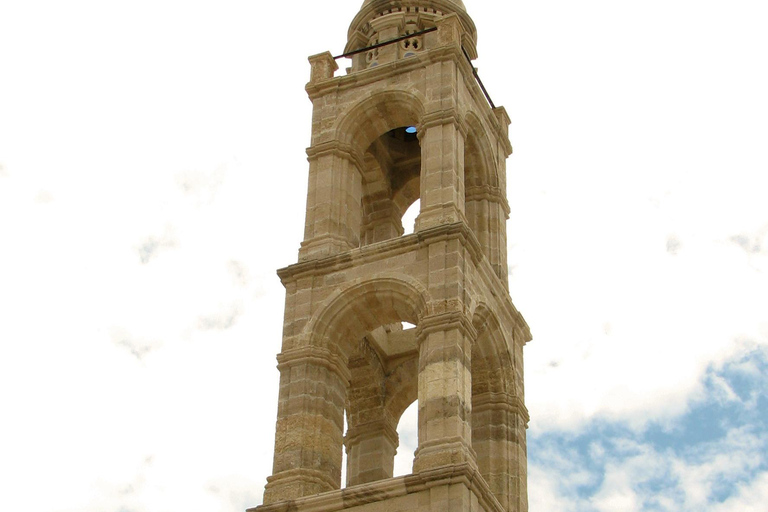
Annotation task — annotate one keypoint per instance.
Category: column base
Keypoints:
(294, 484)
(441, 453)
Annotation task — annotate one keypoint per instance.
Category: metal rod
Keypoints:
(415, 34)
(385, 43)
(477, 77)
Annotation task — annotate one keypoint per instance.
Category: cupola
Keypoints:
(380, 21)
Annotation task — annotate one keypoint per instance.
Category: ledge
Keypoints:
(318, 88)
(382, 250)
(382, 490)
(401, 245)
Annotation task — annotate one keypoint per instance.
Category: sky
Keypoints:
(153, 177)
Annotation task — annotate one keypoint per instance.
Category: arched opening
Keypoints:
(486, 207)
(393, 166)
(344, 451)
(499, 417)
(382, 434)
(409, 217)
(363, 324)
(408, 434)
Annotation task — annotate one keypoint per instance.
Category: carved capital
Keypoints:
(358, 433)
(431, 323)
(339, 149)
(316, 356)
(440, 118)
(500, 401)
(488, 193)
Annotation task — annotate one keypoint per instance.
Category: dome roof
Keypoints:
(457, 3)
(371, 8)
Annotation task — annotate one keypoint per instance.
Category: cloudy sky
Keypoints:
(153, 177)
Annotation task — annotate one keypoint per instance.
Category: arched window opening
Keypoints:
(409, 217)
(391, 184)
(384, 381)
(486, 208)
(408, 434)
(344, 453)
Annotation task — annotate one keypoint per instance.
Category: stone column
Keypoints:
(371, 449)
(445, 387)
(442, 168)
(334, 209)
(499, 421)
(441, 135)
(381, 216)
(371, 439)
(310, 422)
(383, 222)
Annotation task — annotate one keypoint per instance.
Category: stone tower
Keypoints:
(407, 121)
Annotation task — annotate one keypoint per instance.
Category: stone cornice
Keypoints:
(373, 429)
(337, 148)
(440, 118)
(316, 89)
(314, 355)
(505, 401)
(390, 488)
(382, 71)
(443, 321)
(489, 193)
(382, 250)
(396, 246)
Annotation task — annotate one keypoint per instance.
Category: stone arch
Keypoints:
(361, 307)
(402, 390)
(350, 326)
(375, 129)
(407, 194)
(491, 358)
(376, 115)
(498, 417)
(402, 387)
(485, 200)
(480, 167)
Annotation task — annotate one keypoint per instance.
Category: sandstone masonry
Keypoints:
(407, 121)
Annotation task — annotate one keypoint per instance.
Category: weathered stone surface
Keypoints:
(345, 350)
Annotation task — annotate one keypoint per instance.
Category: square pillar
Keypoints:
(499, 422)
(334, 202)
(445, 388)
(371, 452)
(310, 422)
(442, 171)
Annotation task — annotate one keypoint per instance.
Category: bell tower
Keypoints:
(374, 319)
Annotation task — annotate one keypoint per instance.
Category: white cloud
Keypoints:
(201, 185)
(151, 245)
(119, 121)
(751, 497)
(622, 473)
